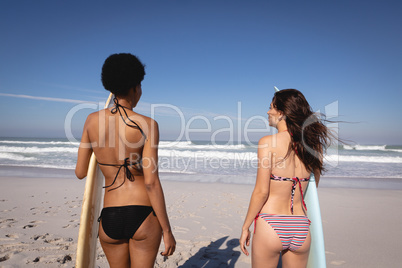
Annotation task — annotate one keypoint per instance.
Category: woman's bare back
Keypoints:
(113, 143)
(285, 166)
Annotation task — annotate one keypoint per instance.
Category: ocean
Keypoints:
(200, 160)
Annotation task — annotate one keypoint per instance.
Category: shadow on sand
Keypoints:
(212, 256)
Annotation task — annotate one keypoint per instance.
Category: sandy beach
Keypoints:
(39, 223)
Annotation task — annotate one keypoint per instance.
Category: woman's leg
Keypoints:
(298, 258)
(116, 251)
(145, 243)
(266, 246)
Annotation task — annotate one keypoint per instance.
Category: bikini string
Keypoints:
(255, 221)
(294, 143)
(117, 108)
(297, 181)
(127, 173)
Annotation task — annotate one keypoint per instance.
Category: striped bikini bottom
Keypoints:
(291, 229)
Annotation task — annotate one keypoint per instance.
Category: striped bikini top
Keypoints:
(127, 163)
(294, 181)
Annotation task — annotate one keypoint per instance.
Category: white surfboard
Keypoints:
(91, 204)
(316, 258)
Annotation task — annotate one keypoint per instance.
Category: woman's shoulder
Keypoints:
(150, 122)
(272, 142)
(266, 142)
(147, 124)
(93, 117)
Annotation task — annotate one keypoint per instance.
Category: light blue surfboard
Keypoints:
(316, 258)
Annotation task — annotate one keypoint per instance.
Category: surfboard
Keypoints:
(316, 258)
(91, 204)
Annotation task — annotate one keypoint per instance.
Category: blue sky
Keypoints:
(206, 58)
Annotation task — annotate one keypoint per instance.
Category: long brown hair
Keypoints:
(310, 137)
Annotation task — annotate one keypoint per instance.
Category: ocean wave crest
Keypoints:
(37, 150)
(194, 146)
(368, 159)
(200, 154)
(365, 147)
(16, 157)
(40, 142)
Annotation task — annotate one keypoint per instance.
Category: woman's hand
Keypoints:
(170, 244)
(245, 240)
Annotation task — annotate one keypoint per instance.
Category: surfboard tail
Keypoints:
(317, 249)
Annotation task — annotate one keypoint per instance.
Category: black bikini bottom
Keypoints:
(123, 222)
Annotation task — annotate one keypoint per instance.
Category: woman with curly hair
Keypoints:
(285, 162)
(134, 218)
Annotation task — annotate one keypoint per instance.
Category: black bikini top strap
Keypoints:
(117, 108)
(127, 172)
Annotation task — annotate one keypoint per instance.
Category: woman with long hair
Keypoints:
(134, 218)
(285, 162)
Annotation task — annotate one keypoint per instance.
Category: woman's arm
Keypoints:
(317, 176)
(317, 172)
(84, 154)
(261, 190)
(154, 188)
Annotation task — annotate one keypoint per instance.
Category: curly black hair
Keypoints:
(121, 72)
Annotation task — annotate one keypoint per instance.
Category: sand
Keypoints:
(39, 221)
